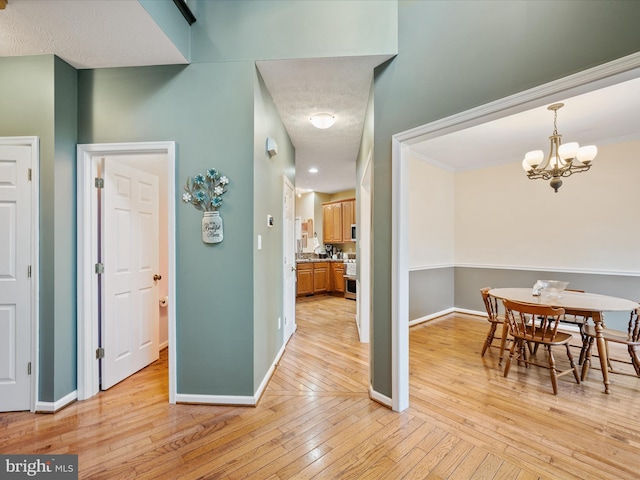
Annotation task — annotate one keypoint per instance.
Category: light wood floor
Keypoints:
(315, 419)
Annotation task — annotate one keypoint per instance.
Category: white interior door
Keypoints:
(130, 257)
(15, 278)
(289, 255)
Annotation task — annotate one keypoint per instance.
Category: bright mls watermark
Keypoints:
(52, 467)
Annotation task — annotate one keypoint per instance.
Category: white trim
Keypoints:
(380, 398)
(399, 278)
(431, 316)
(476, 313)
(227, 400)
(598, 77)
(230, 400)
(527, 268)
(432, 267)
(34, 144)
(267, 376)
(87, 283)
(550, 269)
(619, 70)
(53, 407)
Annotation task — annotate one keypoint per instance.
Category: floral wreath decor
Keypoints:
(205, 191)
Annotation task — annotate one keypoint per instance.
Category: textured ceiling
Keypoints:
(604, 116)
(339, 86)
(85, 33)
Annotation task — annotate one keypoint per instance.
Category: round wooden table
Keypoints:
(588, 304)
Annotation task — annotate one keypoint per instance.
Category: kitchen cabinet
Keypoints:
(320, 277)
(313, 277)
(348, 219)
(337, 277)
(337, 218)
(305, 278)
(332, 223)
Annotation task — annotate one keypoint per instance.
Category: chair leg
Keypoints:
(573, 365)
(586, 363)
(489, 339)
(552, 368)
(512, 351)
(635, 360)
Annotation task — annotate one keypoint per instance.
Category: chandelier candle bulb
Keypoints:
(563, 160)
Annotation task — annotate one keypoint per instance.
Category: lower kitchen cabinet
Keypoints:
(305, 279)
(320, 277)
(337, 277)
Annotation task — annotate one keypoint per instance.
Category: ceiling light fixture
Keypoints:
(563, 160)
(313, 170)
(322, 120)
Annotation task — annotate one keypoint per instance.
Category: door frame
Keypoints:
(601, 76)
(363, 250)
(290, 325)
(87, 217)
(34, 143)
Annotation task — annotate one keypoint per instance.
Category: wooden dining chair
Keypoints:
(544, 333)
(495, 320)
(631, 339)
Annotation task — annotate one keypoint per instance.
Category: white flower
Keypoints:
(218, 190)
(186, 197)
(224, 180)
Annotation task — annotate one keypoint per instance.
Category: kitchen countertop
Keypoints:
(317, 260)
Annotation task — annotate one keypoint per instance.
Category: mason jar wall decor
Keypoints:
(204, 191)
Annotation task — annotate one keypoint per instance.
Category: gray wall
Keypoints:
(469, 281)
(267, 189)
(453, 56)
(38, 97)
(207, 109)
(430, 291)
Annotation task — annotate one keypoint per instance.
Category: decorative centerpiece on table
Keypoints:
(204, 191)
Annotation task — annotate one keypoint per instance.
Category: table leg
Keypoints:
(602, 350)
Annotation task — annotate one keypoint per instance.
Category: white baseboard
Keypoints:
(53, 407)
(442, 313)
(233, 400)
(380, 398)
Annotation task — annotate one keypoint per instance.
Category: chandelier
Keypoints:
(563, 160)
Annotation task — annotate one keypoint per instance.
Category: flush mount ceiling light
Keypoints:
(322, 120)
(313, 170)
(563, 160)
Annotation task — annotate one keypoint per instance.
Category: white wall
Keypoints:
(431, 215)
(503, 219)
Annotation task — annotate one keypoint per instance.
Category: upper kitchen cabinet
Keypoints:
(337, 218)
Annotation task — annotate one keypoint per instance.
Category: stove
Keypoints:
(350, 288)
(350, 268)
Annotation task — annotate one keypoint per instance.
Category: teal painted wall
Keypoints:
(172, 22)
(283, 29)
(208, 110)
(64, 240)
(267, 190)
(38, 98)
(453, 56)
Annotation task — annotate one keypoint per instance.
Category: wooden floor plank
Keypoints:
(315, 418)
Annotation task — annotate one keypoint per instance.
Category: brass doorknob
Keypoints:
(157, 277)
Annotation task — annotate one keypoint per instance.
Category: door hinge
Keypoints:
(29, 175)
(29, 271)
(29, 368)
(99, 182)
(99, 268)
(99, 352)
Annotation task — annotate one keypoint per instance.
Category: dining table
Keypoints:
(590, 305)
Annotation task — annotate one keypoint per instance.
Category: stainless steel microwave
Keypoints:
(353, 232)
